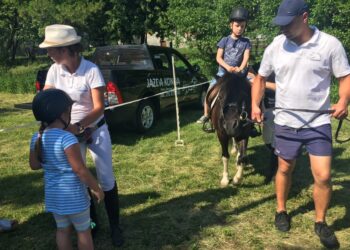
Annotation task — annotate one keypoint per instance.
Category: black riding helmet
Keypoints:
(239, 14)
(50, 104)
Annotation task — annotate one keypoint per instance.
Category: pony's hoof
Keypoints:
(233, 150)
(236, 181)
(224, 182)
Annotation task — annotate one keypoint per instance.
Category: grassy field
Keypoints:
(170, 196)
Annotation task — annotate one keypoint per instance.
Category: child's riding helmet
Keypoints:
(50, 104)
(239, 14)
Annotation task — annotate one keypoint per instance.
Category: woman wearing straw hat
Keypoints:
(83, 82)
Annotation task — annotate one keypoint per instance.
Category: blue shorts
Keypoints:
(212, 83)
(289, 141)
(80, 221)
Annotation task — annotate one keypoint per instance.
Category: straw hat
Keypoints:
(59, 35)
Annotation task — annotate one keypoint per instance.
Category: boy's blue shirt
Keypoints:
(233, 51)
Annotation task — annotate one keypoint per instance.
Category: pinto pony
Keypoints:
(230, 108)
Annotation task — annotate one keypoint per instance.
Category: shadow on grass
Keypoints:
(173, 223)
(26, 190)
(176, 221)
(124, 135)
(22, 190)
(341, 199)
(38, 232)
(259, 158)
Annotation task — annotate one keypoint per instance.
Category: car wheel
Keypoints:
(145, 116)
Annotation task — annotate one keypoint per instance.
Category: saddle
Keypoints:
(211, 98)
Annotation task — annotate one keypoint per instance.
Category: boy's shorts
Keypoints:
(289, 141)
(212, 83)
(81, 221)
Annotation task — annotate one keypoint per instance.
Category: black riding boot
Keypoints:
(112, 207)
(93, 216)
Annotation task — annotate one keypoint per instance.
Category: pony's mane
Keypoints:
(229, 88)
(232, 85)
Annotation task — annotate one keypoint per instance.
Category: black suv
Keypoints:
(139, 82)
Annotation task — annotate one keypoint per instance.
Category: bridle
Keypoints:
(243, 116)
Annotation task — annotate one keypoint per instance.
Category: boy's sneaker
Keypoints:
(327, 236)
(282, 221)
(94, 229)
(203, 119)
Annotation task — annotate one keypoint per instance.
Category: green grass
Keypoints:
(170, 196)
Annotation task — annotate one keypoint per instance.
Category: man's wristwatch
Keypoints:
(80, 127)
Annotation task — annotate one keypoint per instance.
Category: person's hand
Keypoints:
(256, 114)
(73, 128)
(231, 69)
(87, 135)
(340, 109)
(238, 69)
(98, 194)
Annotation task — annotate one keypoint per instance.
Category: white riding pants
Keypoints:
(101, 153)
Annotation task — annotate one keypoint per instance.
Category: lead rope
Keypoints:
(337, 131)
(320, 112)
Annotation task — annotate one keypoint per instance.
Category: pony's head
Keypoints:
(235, 105)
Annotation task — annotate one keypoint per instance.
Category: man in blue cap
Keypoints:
(303, 59)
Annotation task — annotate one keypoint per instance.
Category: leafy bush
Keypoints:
(208, 66)
(20, 79)
(334, 91)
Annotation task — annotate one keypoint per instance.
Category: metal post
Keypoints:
(178, 142)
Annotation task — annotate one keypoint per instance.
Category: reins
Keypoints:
(322, 111)
(244, 116)
(337, 131)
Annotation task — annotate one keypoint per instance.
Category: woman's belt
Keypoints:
(101, 122)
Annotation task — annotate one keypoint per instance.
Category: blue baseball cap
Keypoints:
(289, 9)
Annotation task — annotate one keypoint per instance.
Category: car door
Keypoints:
(186, 78)
(164, 81)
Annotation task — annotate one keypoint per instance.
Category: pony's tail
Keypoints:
(38, 148)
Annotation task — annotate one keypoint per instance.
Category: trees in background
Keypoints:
(22, 22)
(130, 21)
(199, 23)
(203, 22)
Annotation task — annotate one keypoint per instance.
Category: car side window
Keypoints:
(161, 61)
(180, 65)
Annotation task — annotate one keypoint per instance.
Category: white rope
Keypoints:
(30, 124)
(158, 94)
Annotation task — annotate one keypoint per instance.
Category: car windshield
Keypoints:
(135, 57)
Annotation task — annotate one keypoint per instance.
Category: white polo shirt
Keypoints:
(77, 85)
(303, 76)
